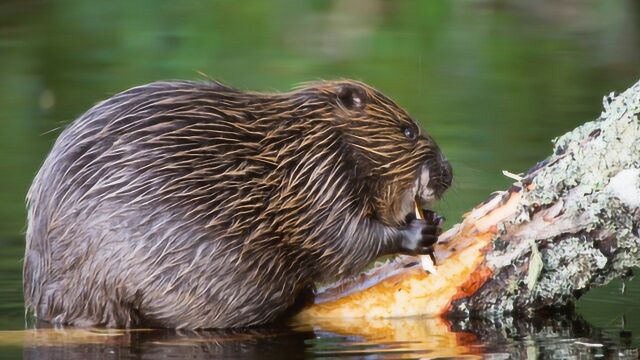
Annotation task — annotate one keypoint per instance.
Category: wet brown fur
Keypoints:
(195, 205)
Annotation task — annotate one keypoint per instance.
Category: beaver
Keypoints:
(188, 204)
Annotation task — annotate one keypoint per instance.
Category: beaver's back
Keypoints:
(145, 203)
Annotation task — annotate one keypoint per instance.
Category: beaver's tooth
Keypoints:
(418, 210)
(426, 260)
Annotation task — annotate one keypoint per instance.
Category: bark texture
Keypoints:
(576, 224)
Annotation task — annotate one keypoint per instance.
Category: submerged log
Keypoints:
(569, 224)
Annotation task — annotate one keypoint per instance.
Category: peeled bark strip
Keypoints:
(571, 223)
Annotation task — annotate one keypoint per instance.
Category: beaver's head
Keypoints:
(388, 151)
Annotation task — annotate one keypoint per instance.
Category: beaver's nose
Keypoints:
(446, 175)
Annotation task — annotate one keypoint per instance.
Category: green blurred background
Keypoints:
(492, 81)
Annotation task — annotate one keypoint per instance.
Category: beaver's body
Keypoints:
(183, 204)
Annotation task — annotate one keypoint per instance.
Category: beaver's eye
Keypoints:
(409, 133)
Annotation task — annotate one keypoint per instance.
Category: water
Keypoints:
(493, 81)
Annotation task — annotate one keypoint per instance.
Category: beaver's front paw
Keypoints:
(420, 235)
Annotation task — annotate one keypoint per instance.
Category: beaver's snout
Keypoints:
(435, 178)
(442, 176)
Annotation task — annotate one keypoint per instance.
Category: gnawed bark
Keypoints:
(571, 223)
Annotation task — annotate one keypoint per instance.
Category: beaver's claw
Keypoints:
(421, 235)
(433, 218)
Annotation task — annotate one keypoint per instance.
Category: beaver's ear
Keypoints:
(352, 96)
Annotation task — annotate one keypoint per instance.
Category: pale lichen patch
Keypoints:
(626, 187)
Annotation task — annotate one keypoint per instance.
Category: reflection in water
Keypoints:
(555, 336)
(272, 343)
(558, 336)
